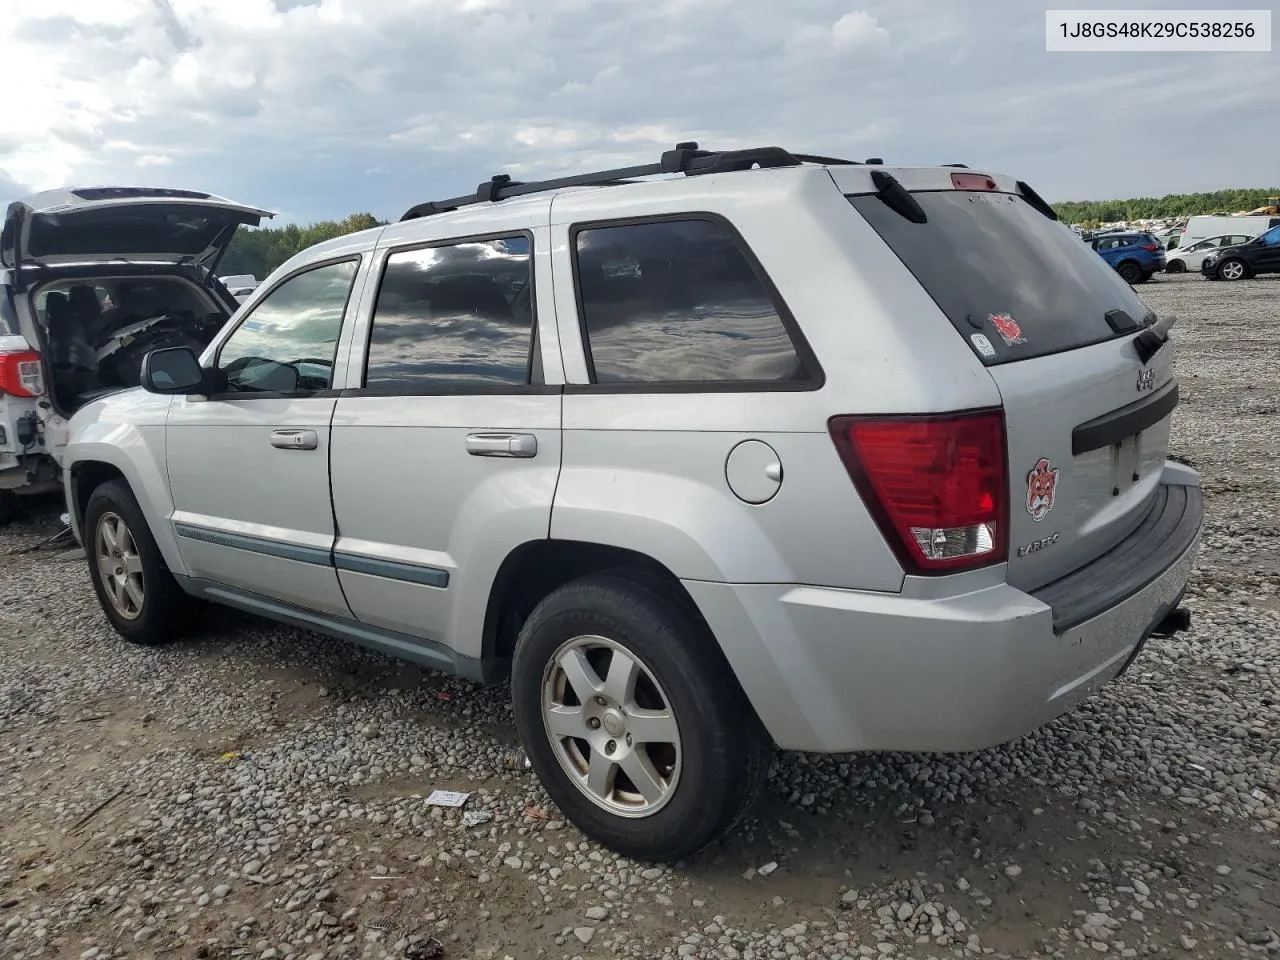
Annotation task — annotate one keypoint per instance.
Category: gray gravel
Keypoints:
(257, 792)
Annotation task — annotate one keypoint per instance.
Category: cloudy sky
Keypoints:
(320, 108)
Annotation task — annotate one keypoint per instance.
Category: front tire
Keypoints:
(632, 720)
(8, 506)
(1130, 272)
(1232, 269)
(137, 592)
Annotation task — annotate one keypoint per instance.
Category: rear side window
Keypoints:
(678, 301)
(8, 316)
(1116, 243)
(997, 267)
(454, 316)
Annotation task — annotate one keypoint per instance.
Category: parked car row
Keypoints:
(1137, 256)
(1189, 257)
(728, 451)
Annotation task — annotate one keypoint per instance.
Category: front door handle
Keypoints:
(295, 439)
(502, 444)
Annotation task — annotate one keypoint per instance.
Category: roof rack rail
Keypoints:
(686, 158)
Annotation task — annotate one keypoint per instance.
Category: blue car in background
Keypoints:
(1135, 256)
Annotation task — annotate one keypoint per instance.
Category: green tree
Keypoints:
(259, 250)
(1172, 206)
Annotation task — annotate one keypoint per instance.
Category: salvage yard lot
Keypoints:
(257, 791)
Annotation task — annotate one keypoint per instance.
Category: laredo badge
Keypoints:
(1042, 486)
(1008, 328)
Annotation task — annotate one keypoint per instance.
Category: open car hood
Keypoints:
(137, 224)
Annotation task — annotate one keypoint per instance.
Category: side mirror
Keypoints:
(172, 370)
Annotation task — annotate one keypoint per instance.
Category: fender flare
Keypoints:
(147, 481)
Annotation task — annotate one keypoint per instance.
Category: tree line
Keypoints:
(260, 250)
(1172, 206)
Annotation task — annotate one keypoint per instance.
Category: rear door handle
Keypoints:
(295, 439)
(502, 444)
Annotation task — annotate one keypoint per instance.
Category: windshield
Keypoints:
(998, 267)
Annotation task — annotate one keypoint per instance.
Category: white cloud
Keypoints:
(858, 28)
(851, 32)
(290, 103)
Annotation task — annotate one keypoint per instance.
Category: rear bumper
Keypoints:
(933, 669)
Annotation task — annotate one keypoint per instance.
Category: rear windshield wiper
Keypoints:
(1150, 340)
(897, 197)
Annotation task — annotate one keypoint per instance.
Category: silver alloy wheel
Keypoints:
(611, 726)
(1232, 270)
(119, 565)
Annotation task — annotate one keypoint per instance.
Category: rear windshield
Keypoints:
(153, 229)
(999, 269)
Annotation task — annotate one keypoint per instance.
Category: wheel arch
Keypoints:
(533, 569)
(92, 468)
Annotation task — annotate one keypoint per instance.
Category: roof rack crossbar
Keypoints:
(686, 158)
(827, 161)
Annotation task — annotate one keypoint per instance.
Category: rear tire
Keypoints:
(1232, 269)
(1130, 272)
(137, 592)
(8, 506)
(650, 669)
(1175, 266)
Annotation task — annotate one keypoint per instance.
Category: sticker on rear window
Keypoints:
(1008, 329)
(1042, 487)
(983, 346)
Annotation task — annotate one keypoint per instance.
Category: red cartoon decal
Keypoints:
(1042, 485)
(1008, 329)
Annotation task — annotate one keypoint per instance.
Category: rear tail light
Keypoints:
(938, 486)
(972, 181)
(1151, 246)
(22, 374)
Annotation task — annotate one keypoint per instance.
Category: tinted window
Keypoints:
(678, 301)
(459, 314)
(988, 255)
(288, 341)
(1272, 237)
(1114, 243)
(8, 316)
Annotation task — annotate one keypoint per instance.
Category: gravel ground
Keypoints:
(256, 791)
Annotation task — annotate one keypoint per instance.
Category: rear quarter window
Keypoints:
(680, 302)
(8, 315)
(999, 268)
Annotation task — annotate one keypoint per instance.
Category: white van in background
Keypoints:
(241, 285)
(1204, 227)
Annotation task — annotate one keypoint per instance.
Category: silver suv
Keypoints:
(728, 451)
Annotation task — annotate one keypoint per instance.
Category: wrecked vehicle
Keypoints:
(91, 280)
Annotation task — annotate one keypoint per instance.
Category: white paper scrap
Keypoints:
(446, 798)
